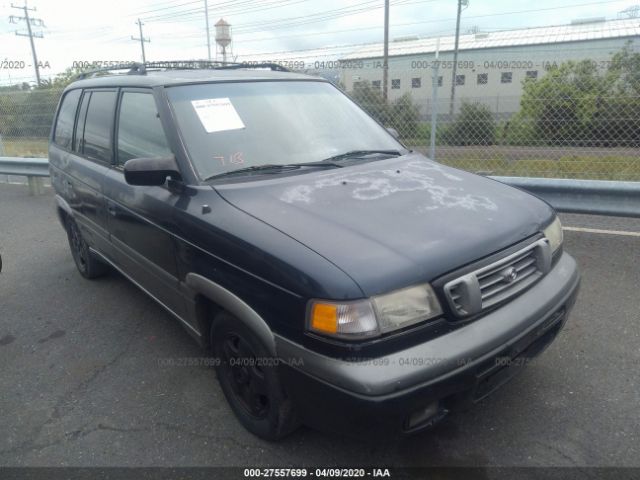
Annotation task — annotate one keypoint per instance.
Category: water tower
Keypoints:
(223, 37)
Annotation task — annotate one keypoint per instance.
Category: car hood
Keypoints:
(393, 223)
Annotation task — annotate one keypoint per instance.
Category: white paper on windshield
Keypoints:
(217, 114)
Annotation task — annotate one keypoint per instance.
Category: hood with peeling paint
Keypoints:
(393, 223)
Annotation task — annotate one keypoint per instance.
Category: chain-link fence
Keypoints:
(574, 120)
(542, 133)
(573, 125)
(25, 121)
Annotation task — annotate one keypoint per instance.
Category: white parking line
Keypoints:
(606, 232)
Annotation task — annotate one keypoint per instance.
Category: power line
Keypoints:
(260, 27)
(426, 21)
(194, 14)
(168, 7)
(36, 22)
(432, 36)
(226, 4)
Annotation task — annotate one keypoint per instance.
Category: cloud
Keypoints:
(95, 30)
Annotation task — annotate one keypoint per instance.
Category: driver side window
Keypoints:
(140, 133)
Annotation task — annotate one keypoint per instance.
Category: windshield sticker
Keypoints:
(235, 158)
(217, 114)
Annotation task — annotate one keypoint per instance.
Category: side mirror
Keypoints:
(393, 132)
(150, 171)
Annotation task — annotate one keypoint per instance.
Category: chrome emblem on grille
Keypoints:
(492, 284)
(509, 274)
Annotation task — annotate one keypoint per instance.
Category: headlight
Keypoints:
(554, 234)
(372, 317)
(405, 307)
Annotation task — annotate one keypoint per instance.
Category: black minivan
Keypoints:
(339, 279)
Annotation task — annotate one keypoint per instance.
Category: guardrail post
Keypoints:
(6, 177)
(35, 185)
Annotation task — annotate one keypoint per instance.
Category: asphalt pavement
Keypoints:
(88, 373)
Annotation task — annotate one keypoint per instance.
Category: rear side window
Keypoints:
(97, 127)
(140, 133)
(78, 139)
(66, 118)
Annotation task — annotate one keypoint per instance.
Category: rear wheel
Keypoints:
(249, 379)
(88, 265)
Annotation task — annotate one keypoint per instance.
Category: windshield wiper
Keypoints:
(361, 153)
(272, 167)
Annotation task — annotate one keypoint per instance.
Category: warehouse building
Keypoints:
(491, 65)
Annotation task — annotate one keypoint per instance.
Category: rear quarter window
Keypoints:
(98, 124)
(63, 132)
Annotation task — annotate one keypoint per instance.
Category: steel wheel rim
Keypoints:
(77, 245)
(246, 378)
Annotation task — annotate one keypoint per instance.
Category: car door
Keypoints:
(140, 217)
(81, 155)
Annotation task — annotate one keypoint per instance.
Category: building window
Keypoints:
(460, 79)
(395, 84)
(483, 78)
(376, 84)
(506, 77)
(416, 82)
(532, 74)
(440, 81)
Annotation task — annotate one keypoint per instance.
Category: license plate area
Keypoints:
(501, 368)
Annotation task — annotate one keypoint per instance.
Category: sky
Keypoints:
(101, 31)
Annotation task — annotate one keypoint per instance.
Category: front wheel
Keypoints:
(249, 380)
(88, 265)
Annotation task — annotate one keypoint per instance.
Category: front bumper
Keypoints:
(454, 370)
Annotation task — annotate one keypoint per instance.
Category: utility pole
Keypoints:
(142, 40)
(434, 103)
(385, 61)
(206, 19)
(29, 21)
(455, 56)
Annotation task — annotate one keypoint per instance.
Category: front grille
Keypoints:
(493, 284)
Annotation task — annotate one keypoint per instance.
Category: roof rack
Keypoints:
(137, 68)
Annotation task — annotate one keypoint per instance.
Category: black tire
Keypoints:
(88, 265)
(252, 388)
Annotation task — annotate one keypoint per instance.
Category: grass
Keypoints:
(589, 168)
(24, 147)
(583, 167)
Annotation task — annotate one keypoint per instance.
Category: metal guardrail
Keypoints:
(598, 197)
(31, 167)
(24, 166)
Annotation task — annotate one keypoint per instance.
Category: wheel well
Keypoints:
(206, 310)
(62, 216)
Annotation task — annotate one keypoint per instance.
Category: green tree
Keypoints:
(474, 125)
(26, 111)
(371, 101)
(401, 114)
(576, 104)
(404, 116)
(562, 104)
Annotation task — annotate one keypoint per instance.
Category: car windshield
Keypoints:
(231, 126)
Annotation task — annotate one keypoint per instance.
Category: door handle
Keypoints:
(111, 208)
